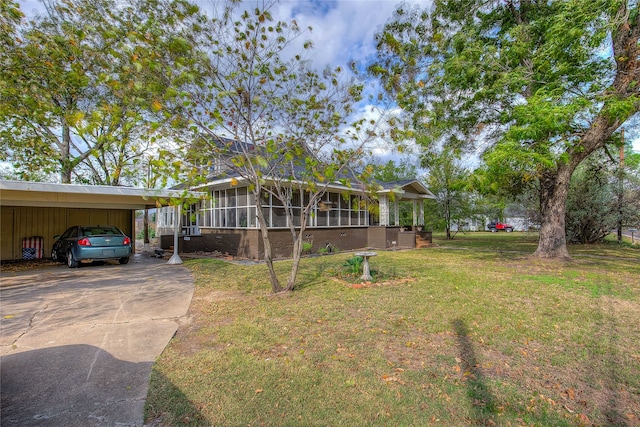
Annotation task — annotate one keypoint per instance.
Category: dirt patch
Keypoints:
(217, 296)
(27, 265)
(368, 284)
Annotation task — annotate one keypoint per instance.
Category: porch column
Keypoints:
(396, 212)
(384, 209)
(421, 212)
(415, 212)
(175, 258)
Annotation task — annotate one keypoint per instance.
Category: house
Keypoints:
(344, 219)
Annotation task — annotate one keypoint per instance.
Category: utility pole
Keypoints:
(621, 187)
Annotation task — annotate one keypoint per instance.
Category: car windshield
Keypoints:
(99, 231)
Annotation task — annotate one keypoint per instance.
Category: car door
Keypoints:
(67, 240)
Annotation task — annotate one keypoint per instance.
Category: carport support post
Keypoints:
(175, 258)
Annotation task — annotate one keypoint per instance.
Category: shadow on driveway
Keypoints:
(77, 345)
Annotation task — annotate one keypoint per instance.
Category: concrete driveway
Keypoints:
(77, 345)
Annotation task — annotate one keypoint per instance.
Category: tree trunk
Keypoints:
(447, 218)
(554, 188)
(298, 240)
(65, 155)
(268, 258)
(268, 251)
(146, 230)
(297, 256)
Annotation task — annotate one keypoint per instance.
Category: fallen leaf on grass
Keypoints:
(571, 393)
(388, 378)
(259, 390)
(583, 420)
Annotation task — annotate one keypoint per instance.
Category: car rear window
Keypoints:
(99, 231)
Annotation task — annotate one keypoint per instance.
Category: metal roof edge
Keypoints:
(48, 187)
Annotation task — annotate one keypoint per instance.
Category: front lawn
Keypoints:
(477, 333)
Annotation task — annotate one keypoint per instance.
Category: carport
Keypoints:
(41, 210)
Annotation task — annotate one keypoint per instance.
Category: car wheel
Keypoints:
(508, 230)
(71, 263)
(494, 230)
(54, 255)
(124, 260)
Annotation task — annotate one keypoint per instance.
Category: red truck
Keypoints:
(496, 226)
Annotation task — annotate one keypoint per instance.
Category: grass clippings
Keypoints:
(483, 336)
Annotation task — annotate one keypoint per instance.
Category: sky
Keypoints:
(342, 30)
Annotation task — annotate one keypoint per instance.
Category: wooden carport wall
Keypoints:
(44, 209)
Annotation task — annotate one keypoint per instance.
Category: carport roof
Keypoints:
(45, 194)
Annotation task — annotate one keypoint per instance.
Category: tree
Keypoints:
(628, 188)
(392, 171)
(274, 123)
(448, 181)
(81, 93)
(542, 84)
(592, 203)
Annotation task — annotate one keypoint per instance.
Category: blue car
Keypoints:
(91, 243)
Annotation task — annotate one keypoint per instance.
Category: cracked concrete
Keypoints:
(77, 345)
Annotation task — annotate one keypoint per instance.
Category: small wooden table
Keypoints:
(366, 274)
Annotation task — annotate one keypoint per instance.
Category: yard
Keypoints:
(472, 332)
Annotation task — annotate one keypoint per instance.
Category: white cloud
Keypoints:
(342, 31)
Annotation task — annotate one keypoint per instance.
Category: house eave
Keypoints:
(231, 182)
(45, 194)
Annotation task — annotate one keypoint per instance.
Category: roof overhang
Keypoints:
(232, 182)
(44, 194)
(410, 191)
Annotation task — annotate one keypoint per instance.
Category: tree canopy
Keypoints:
(537, 85)
(260, 114)
(83, 86)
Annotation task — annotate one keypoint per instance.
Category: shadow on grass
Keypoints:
(480, 397)
(169, 406)
(606, 364)
(309, 276)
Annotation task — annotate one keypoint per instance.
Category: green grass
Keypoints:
(478, 336)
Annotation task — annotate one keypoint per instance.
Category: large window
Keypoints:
(231, 208)
(341, 210)
(235, 208)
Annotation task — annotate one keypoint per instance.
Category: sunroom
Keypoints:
(344, 219)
